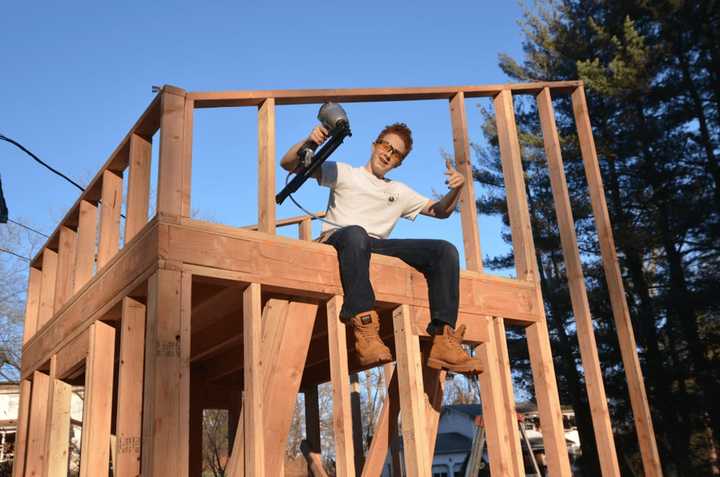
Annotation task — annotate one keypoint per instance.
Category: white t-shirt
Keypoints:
(357, 197)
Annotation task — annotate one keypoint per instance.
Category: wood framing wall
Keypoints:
(171, 316)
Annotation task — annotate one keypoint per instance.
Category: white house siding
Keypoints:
(454, 421)
(446, 463)
(9, 406)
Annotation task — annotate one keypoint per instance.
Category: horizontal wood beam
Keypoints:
(310, 269)
(243, 256)
(350, 95)
(289, 221)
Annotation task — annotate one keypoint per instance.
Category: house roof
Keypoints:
(473, 410)
(452, 442)
(446, 443)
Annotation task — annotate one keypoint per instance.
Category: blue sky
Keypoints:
(76, 75)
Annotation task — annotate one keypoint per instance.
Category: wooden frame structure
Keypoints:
(190, 315)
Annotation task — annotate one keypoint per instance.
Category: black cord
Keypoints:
(25, 150)
(15, 254)
(287, 178)
(28, 228)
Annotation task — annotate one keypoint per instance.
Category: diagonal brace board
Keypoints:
(287, 328)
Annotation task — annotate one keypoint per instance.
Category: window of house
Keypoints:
(440, 471)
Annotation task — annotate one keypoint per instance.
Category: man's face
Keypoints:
(387, 153)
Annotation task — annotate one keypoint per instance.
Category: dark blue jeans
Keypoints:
(437, 260)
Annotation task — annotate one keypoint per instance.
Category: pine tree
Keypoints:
(652, 92)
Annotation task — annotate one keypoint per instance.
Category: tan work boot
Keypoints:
(447, 353)
(369, 348)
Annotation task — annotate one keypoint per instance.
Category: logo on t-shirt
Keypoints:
(393, 197)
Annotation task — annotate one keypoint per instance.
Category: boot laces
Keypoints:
(366, 331)
(456, 341)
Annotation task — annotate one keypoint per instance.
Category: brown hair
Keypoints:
(402, 130)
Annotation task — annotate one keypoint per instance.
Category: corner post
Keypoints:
(266, 166)
(166, 399)
(175, 165)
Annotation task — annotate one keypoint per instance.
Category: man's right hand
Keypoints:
(318, 135)
(290, 160)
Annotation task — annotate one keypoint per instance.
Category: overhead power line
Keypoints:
(21, 257)
(27, 227)
(52, 169)
(25, 150)
(3, 206)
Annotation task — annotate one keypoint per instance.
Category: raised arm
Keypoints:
(290, 160)
(444, 207)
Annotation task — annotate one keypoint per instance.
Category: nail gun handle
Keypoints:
(304, 173)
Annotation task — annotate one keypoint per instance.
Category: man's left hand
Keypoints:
(454, 179)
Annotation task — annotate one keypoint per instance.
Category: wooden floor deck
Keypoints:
(224, 259)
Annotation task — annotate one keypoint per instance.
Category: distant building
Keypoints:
(456, 431)
(9, 402)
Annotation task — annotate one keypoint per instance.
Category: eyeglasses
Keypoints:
(386, 147)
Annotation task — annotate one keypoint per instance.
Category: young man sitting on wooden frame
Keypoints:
(363, 208)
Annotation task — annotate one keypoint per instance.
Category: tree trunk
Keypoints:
(681, 300)
(710, 41)
(681, 304)
(698, 111)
